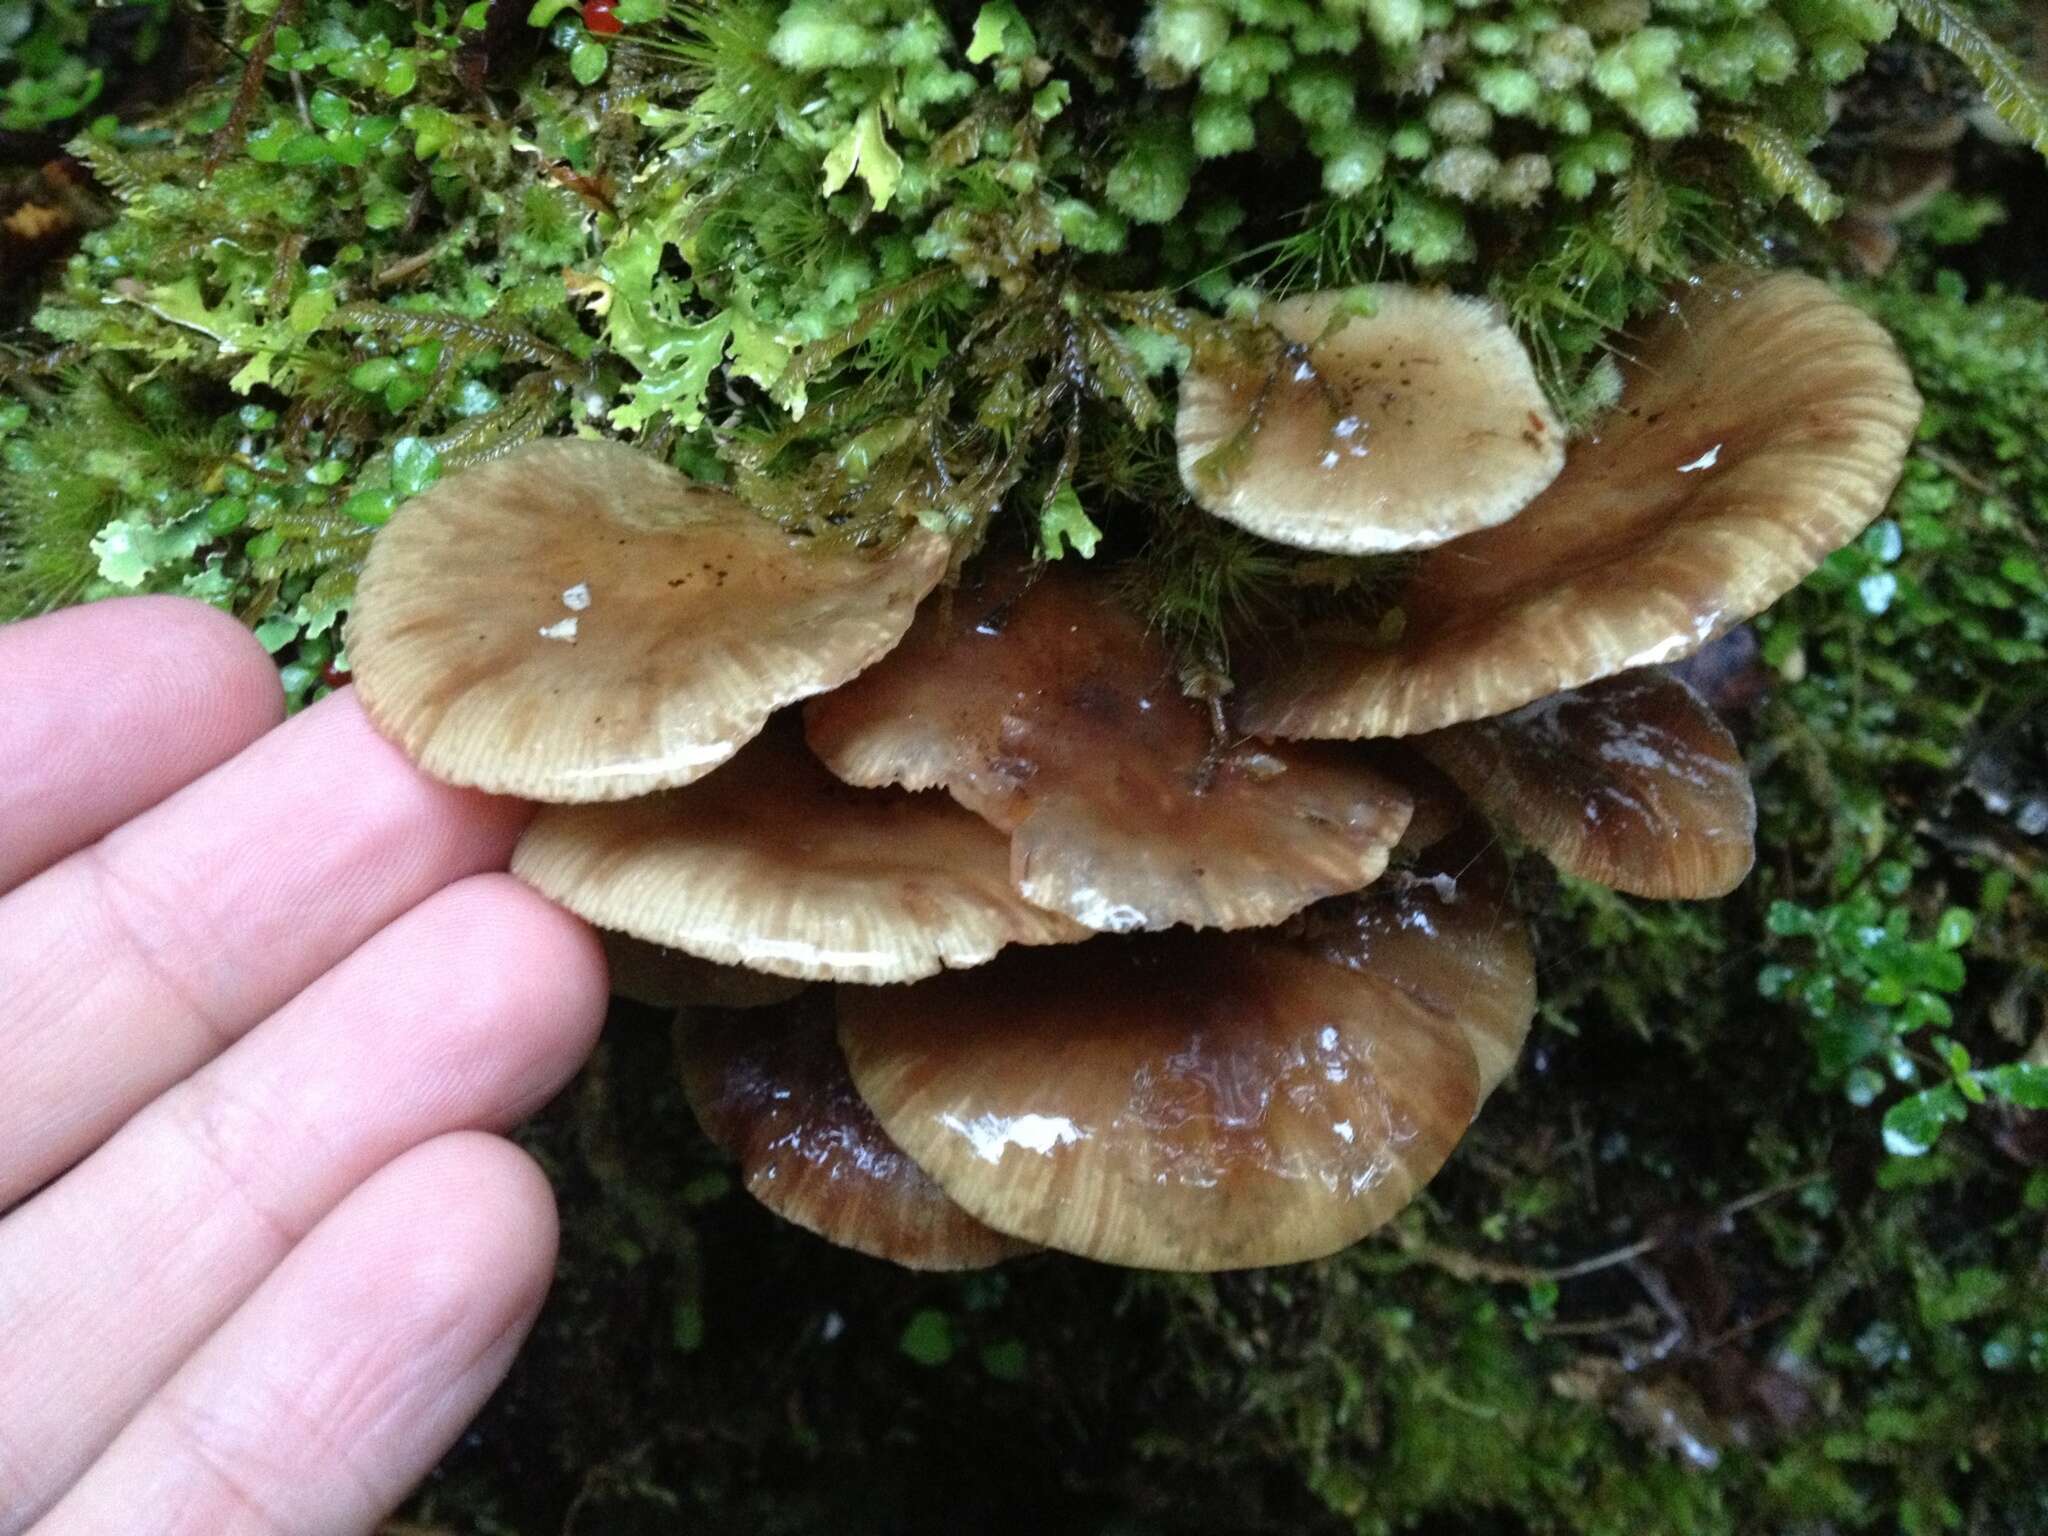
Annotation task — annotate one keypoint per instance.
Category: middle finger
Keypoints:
(128, 965)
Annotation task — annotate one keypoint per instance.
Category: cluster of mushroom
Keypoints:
(1105, 980)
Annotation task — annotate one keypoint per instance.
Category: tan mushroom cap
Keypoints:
(668, 978)
(1763, 424)
(1171, 1101)
(576, 621)
(774, 865)
(1047, 709)
(1370, 434)
(1446, 934)
(776, 1095)
(1631, 782)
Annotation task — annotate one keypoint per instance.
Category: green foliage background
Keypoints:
(1755, 1238)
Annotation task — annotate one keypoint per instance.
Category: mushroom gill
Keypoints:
(1195, 1102)
(576, 621)
(774, 865)
(1378, 419)
(778, 1098)
(1044, 706)
(1763, 424)
(1631, 782)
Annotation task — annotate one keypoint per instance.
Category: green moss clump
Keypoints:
(867, 256)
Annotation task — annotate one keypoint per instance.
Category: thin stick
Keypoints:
(1472, 1266)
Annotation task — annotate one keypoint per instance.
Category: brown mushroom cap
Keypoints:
(776, 1095)
(668, 978)
(576, 621)
(1176, 1101)
(1445, 933)
(1763, 424)
(1631, 782)
(1369, 434)
(774, 865)
(1048, 710)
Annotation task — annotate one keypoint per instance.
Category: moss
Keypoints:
(749, 233)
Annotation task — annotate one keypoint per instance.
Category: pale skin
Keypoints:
(267, 1007)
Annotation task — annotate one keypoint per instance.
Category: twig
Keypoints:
(229, 138)
(1472, 1266)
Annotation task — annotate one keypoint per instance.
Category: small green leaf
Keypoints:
(2023, 1084)
(304, 149)
(865, 149)
(414, 466)
(227, 514)
(999, 29)
(1913, 1125)
(687, 1325)
(928, 1338)
(328, 110)
(1007, 1360)
(373, 509)
(1063, 524)
(374, 374)
(275, 633)
(131, 550)
(587, 61)
(432, 130)
(1051, 100)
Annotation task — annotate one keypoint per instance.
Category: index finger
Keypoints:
(106, 710)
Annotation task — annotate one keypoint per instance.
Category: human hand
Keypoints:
(261, 1006)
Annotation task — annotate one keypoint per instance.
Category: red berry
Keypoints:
(333, 676)
(598, 17)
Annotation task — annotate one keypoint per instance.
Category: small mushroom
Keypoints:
(774, 865)
(577, 621)
(1191, 1102)
(1368, 433)
(1044, 706)
(668, 978)
(776, 1095)
(1445, 933)
(1631, 782)
(1762, 425)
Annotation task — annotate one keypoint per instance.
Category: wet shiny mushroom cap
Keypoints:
(775, 1093)
(1445, 933)
(668, 978)
(774, 865)
(1631, 782)
(576, 622)
(1365, 434)
(1171, 1101)
(1762, 425)
(1045, 707)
